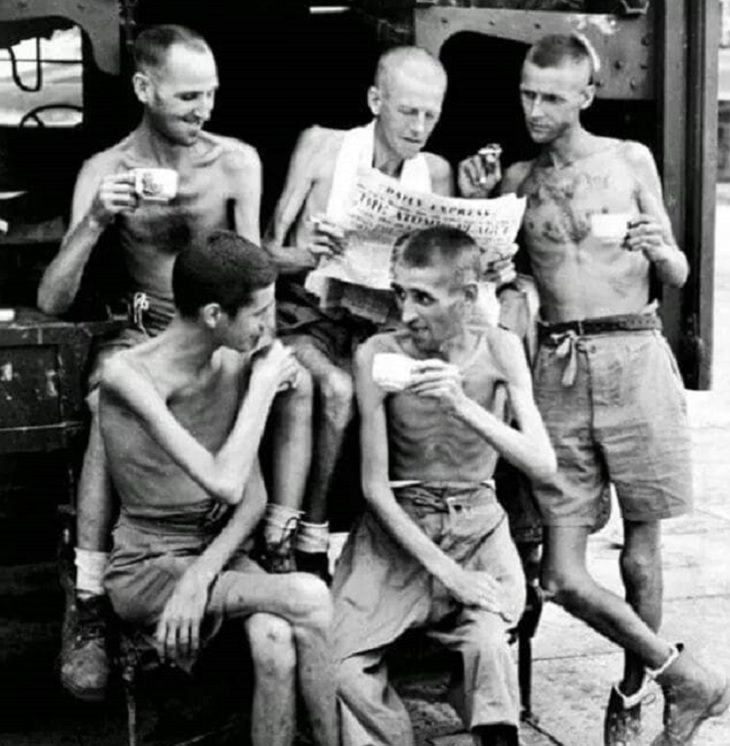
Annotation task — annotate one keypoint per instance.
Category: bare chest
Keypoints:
(561, 202)
(203, 202)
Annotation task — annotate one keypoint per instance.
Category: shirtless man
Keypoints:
(606, 382)
(181, 418)
(219, 186)
(405, 100)
(433, 548)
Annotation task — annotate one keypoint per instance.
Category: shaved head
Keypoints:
(557, 50)
(153, 45)
(411, 61)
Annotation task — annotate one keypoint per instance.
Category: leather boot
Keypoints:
(84, 648)
(692, 693)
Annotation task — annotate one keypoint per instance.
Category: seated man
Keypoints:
(433, 549)
(181, 419)
(219, 186)
(405, 101)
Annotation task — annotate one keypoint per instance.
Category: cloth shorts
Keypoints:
(145, 566)
(623, 420)
(335, 335)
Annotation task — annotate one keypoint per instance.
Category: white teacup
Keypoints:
(155, 184)
(392, 371)
(610, 227)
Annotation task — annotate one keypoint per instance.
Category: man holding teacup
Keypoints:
(157, 191)
(606, 383)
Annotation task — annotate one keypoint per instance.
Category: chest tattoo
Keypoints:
(559, 203)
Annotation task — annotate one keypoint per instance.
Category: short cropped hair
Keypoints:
(554, 50)
(445, 245)
(152, 45)
(402, 56)
(222, 268)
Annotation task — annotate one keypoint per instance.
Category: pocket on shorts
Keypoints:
(673, 368)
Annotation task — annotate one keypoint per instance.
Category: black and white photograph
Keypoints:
(363, 376)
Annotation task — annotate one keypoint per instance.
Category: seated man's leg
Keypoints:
(370, 710)
(291, 454)
(273, 720)
(84, 658)
(485, 692)
(304, 602)
(334, 407)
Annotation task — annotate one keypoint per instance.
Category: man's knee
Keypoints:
(488, 636)
(565, 588)
(311, 601)
(272, 645)
(338, 395)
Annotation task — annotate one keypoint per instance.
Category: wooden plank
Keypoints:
(671, 48)
(704, 38)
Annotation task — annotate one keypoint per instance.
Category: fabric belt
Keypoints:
(564, 335)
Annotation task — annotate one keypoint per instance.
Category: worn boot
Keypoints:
(622, 726)
(84, 653)
(692, 693)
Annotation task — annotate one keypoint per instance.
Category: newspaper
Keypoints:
(381, 211)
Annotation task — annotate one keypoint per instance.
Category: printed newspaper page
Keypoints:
(381, 211)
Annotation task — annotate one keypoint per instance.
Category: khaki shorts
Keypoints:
(623, 421)
(336, 337)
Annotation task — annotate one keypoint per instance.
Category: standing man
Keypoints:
(433, 548)
(606, 382)
(219, 186)
(405, 100)
(181, 417)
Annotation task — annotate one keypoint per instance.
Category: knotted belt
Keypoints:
(565, 335)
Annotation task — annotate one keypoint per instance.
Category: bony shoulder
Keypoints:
(115, 371)
(438, 167)
(319, 142)
(109, 161)
(236, 154)
(636, 151)
(383, 342)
